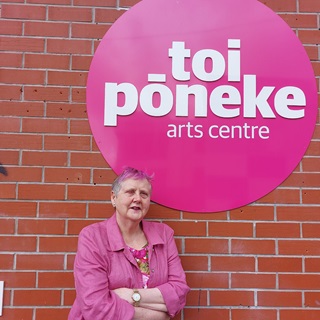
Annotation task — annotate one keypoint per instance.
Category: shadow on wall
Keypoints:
(3, 170)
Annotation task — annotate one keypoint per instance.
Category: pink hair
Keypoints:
(130, 173)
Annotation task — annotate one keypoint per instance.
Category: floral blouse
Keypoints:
(142, 258)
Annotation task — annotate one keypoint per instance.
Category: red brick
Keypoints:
(75, 226)
(20, 141)
(7, 191)
(9, 157)
(11, 27)
(68, 110)
(253, 213)
(298, 214)
(67, 175)
(37, 297)
(232, 263)
(79, 95)
(206, 245)
(279, 264)
(18, 209)
(200, 263)
(62, 210)
(312, 265)
(310, 230)
(6, 261)
(288, 5)
(188, 228)
(80, 127)
(311, 299)
(300, 20)
(79, 192)
(23, 12)
(7, 225)
(252, 246)
(63, 78)
(197, 298)
(52, 313)
(17, 243)
(81, 63)
(44, 158)
(58, 244)
(310, 196)
(309, 6)
(89, 31)
(9, 124)
(46, 93)
(96, 3)
(108, 15)
(206, 313)
(64, 46)
(44, 125)
(207, 280)
(277, 230)
(287, 196)
(28, 226)
(103, 176)
(228, 229)
(19, 279)
(8, 92)
(22, 44)
(254, 314)
(40, 262)
(20, 108)
(302, 179)
(217, 216)
(41, 192)
(47, 61)
(46, 29)
(23, 174)
(55, 280)
(309, 36)
(313, 149)
(300, 314)
(55, 2)
(299, 247)
(70, 14)
(299, 281)
(83, 159)
(231, 298)
(17, 314)
(54, 142)
(128, 3)
(251, 280)
(13, 60)
(105, 210)
(69, 297)
(279, 299)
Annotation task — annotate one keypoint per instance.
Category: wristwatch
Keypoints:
(136, 297)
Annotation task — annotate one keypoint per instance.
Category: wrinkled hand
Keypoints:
(125, 294)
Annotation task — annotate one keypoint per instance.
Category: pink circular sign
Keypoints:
(217, 98)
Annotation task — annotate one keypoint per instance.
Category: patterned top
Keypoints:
(142, 258)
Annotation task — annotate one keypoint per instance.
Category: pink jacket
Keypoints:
(103, 263)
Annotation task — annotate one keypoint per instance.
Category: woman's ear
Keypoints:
(113, 199)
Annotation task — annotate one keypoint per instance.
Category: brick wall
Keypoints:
(258, 262)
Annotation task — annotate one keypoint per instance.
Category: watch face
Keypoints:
(136, 297)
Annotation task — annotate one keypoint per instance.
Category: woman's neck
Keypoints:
(132, 234)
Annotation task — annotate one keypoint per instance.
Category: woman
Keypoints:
(127, 268)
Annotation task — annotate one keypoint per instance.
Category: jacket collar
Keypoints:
(115, 237)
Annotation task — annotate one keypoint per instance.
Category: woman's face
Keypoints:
(133, 199)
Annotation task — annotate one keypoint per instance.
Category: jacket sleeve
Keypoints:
(175, 291)
(95, 299)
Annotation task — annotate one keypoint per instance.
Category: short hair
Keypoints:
(130, 173)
